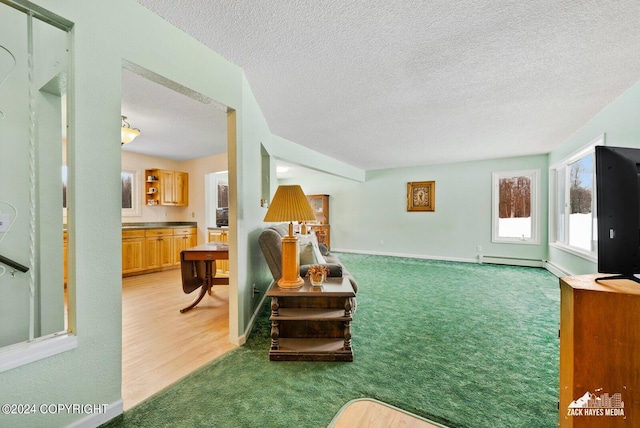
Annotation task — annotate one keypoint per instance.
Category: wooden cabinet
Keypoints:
(220, 235)
(183, 238)
(320, 206)
(323, 233)
(599, 352)
(312, 323)
(133, 244)
(150, 250)
(164, 187)
(158, 248)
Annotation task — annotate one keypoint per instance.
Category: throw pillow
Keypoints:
(307, 254)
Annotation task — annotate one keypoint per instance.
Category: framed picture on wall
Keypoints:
(421, 196)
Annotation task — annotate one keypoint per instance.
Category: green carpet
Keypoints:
(462, 344)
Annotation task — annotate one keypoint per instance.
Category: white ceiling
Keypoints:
(393, 83)
(172, 125)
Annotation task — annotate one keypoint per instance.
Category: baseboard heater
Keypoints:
(513, 261)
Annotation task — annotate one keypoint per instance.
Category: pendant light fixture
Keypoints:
(128, 133)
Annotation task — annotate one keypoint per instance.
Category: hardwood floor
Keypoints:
(159, 344)
(369, 413)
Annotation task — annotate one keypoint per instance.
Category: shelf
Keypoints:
(311, 314)
(311, 350)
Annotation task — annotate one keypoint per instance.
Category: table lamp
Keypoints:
(290, 204)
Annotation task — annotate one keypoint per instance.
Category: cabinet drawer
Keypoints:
(158, 232)
(184, 231)
(134, 233)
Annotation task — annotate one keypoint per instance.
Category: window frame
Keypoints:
(135, 196)
(565, 164)
(534, 175)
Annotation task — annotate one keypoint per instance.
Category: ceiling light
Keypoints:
(127, 132)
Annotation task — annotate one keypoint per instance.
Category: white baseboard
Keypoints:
(94, 420)
(556, 270)
(511, 261)
(406, 255)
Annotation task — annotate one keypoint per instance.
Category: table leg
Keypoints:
(275, 329)
(206, 285)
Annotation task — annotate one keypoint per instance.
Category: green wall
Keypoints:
(106, 36)
(371, 216)
(620, 122)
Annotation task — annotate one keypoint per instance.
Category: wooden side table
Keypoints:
(599, 352)
(312, 323)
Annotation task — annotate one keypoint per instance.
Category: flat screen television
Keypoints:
(618, 211)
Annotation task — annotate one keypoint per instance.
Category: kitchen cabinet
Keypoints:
(158, 248)
(165, 187)
(146, 250)
(220, 235)
(182, 239)
(133, 243)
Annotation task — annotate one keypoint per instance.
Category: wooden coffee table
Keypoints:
(312, 323)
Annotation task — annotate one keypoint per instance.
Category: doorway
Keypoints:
(182, 131)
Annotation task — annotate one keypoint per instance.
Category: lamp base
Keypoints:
(290, 262)
(291, 284)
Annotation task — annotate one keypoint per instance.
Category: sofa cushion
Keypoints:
(335, 269)
(313, 240)
(307, 254)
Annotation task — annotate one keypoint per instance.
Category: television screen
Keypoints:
(618, 210)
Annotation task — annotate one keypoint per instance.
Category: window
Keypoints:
(515, 207)
(130, 203)
(573, 209)
(223, 195)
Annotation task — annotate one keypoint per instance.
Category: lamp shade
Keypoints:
(289, 204)
(128, 134)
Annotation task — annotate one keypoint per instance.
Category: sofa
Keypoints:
(311, 252)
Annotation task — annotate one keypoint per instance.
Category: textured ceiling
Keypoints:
(173, 125)
(391, 83)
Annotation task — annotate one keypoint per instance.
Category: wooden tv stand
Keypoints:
(312, 323)
(599, 352)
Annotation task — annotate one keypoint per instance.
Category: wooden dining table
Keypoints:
(198, 266)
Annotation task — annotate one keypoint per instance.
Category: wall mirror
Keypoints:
(34, 60)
